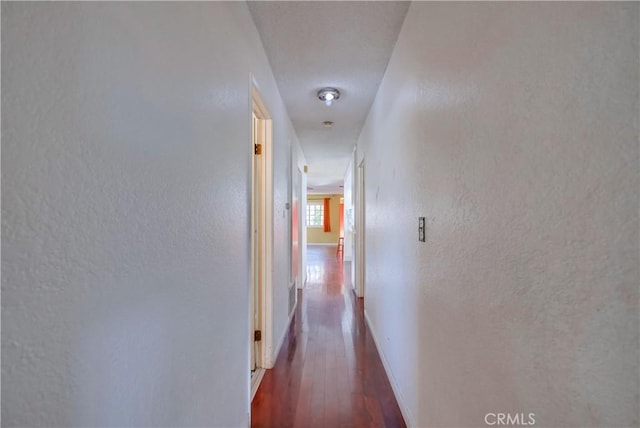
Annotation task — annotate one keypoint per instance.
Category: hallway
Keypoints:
(487, 159)
(328, 372)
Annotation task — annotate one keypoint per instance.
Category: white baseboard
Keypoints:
(255, 381)
(327, 244)
(392, 380)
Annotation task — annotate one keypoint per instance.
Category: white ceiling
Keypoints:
(345, 45)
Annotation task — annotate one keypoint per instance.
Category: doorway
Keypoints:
(360, 232)
(261, 239)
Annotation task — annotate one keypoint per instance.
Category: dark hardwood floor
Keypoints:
(328, 372)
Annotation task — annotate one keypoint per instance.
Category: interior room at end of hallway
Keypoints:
(316, 234)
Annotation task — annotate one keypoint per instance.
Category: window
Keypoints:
(315, 214)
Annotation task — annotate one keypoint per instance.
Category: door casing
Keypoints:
(360, 268)
(261, 297)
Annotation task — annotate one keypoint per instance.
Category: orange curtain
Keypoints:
(327, 219)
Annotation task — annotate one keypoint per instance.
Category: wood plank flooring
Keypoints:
(328, 372)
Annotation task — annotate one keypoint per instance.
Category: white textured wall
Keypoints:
(283, 135)
(125, 212)
(513, 128)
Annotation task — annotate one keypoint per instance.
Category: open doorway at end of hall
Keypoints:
(325, 219)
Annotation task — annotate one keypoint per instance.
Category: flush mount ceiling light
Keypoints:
(328, 95)
(327, 124)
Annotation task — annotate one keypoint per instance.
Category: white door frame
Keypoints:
(297, 177)
(360, 268)
(302, 228)
(264, 358)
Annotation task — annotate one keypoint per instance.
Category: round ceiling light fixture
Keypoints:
(328, 95)
(327, 124)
